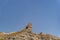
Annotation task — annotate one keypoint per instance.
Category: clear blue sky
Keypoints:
(43, 14)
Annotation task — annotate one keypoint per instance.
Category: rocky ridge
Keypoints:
(27, 34)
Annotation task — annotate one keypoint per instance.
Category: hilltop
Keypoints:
(27, 34)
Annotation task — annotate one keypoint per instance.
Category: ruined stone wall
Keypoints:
(27, 34)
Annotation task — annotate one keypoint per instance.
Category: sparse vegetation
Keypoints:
(1, 39)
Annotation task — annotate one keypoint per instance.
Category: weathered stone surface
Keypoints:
(27, 34)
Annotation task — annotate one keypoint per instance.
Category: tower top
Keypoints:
(29, 26)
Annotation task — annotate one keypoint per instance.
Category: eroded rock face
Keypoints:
(27, 34)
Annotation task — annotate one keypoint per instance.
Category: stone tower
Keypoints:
(29, 27)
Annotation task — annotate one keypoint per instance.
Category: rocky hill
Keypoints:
(27, 34)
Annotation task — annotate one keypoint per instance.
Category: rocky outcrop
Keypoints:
(27, 34)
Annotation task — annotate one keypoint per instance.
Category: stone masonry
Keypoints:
(27, 34)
